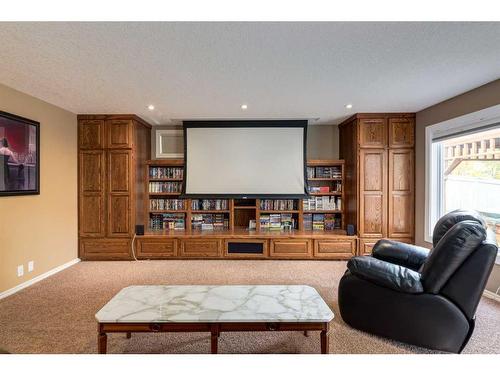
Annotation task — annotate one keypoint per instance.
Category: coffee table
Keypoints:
(214, 309)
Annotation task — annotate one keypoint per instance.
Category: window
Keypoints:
(465, 173)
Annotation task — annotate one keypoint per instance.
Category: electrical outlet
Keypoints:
(31, 265)
(20, 270)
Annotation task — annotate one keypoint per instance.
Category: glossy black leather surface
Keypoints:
(453, 277)
(392, 276)
(450, 219)
(405, 255)
(465, 287)
(425, 320)
(451, 251)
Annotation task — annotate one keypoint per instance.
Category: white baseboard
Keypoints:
(38, 278)
(491, 295)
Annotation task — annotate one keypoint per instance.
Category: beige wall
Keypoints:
(322, 141)
(42, 228)
(471, 101)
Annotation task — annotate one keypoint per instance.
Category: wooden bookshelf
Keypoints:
(241, 211)
(296, 243)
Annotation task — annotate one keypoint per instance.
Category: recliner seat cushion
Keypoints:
(451, 251)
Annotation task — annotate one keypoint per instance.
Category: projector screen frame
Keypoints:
(245, 124)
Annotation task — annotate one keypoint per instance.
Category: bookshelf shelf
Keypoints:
(330, 193)
(279, 211)
(165, 179)
(266, 215)
(153, 193)
(210, 211)
(324, 179)
(322, 211)
(167, 211)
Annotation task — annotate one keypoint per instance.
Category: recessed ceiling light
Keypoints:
(244, 107)
(151, 107)
(348, 106)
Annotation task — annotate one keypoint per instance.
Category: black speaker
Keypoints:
(350, 230)
(139, 230)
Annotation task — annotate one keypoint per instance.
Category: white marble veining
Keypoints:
(216, 303)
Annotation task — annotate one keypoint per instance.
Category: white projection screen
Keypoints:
(245, 159)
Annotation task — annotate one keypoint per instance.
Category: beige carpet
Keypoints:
(56, 315)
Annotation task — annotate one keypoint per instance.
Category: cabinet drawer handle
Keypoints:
(155, 327)
(272, 326)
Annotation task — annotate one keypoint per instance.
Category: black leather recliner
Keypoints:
(421, 297)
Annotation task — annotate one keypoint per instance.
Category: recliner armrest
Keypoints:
(395, 277)
(400, 253)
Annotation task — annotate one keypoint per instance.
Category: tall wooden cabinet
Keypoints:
(378, 150)
(112, 154)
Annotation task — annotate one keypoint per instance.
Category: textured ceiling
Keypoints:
(281, 70)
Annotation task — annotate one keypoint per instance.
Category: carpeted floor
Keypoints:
(56, 315)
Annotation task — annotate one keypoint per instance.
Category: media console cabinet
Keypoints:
(245, 244)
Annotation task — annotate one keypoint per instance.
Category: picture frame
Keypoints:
(19, 155)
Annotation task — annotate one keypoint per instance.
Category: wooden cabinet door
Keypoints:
(290, 248)
(119, 193)
(366, 246)
(335, 248)
(90, 134)
(119, 133)
(401, 132)
(153, 248)
(401, 193)
(200, 248)
(91, 193)
(372, 193)
(372, 133)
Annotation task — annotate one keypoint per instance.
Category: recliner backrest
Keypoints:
(453, 248)
(445, 223)
(465, 287)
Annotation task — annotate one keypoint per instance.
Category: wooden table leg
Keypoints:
(306, 333)
(102, 340)
(324, 340)
(214, 339)
(129, 335)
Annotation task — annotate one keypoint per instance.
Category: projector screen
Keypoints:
(245, 159)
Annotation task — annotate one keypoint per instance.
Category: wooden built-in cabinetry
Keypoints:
(272, 245)
(113, 150)
(378, 150)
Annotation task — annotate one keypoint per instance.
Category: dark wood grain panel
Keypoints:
(91, 134)
(373, 132)
(119, 133)
(401, 132)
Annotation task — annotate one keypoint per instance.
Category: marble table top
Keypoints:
(215, 303)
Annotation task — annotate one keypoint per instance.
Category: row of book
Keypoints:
(322, 203)
(277, 204)
(277, 222)
(167, 221)
(166, 172)
(209, 222)
(209, 204)
(324, 172)
(165, 187)
(167, 204)
(335, 187)
(322, 222)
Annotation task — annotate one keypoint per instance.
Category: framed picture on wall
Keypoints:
(19, 155)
